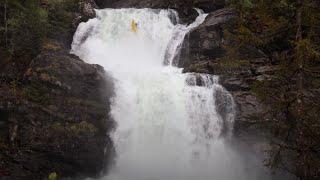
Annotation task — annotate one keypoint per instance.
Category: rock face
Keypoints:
(55, 118)
(205, 42)
(203, 52)
(54, 111)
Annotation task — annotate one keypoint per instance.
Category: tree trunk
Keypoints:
(6, 23)
(301, 171)
(299, 60)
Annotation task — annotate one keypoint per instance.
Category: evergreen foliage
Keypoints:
(288, 32)
(25, 24)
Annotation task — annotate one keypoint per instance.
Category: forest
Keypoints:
(288, 32)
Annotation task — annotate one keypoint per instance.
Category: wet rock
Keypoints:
(219, 17)
(87, 8)
(248, 110)
(239, 81)
(206, 41)
(235, 84)
(57, 119)
(86, 11)
(266, 69)
(203, 52)
(226, 109)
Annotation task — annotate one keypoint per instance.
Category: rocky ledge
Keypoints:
(54, 117)
(204, 52)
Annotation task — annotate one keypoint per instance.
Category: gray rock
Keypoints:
(85, 12)
(203, 52)
(87, 8)
(248, 109)
(205, 42)
(235, 84)
(266, 69)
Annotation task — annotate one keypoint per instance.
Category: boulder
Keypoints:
(85, 11)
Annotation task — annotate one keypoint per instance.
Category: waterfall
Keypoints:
(168, 123)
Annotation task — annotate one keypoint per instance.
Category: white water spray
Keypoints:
(168, 126)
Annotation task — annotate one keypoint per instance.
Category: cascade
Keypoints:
(168, 125)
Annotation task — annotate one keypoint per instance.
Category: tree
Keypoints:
(288, 32)
(6, 23)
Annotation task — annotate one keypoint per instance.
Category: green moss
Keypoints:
(234, 63)
(51, 45)
(53, 176)
(258, 88)
(83, 128)
(36, 93)
(58, 127)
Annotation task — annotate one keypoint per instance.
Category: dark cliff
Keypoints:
(54, 107)
(55, 117)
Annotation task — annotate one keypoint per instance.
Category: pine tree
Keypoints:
(288, 32)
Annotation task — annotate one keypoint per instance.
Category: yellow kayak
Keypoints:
(134, 27)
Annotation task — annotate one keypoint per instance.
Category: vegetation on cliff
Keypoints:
(26, 24)
(288, 33)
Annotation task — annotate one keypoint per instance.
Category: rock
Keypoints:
(226, 109)
(87, 8)
(105, 3)
(259, 61)
(86, 11)
(219, 17)
(203, 51)
(235, 84)
(56, 119)
(206, 41)
(248, 110)
(266, 70)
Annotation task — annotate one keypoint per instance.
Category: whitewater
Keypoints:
(168, 123)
